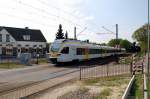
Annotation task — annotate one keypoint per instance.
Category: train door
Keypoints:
(65, 55)
(86, 54)
(72, 53)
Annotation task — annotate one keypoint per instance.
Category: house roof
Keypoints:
(17, 34)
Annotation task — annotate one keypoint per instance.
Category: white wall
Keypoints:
(4, 33)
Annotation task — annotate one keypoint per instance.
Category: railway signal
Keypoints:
(137, 68)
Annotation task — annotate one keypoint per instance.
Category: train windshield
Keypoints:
(55, 47)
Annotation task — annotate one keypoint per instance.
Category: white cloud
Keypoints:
(89, 18)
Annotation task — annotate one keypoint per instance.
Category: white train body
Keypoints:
(65, 50)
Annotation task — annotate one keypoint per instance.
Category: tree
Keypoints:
(103, 44)
(125, 44)
(66, 35)
(60, 34)
(141, 35)
(113, 42)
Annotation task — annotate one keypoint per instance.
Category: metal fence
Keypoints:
(9, 59)
(15, 59)
(88, 72)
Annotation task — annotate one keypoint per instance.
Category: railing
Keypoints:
(87, 72)
(14, 59)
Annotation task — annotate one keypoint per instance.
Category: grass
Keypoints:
(10, 65)
(108, 84)
(137, 89)
(127, 60)
(42, 61)
(83, 89)
(108, 81)
(103, 95)
(100, 88)
(78, 94)
(140, 54)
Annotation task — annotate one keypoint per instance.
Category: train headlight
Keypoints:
(54, 54)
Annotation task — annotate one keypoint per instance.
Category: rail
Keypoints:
(127, 91)
(145, 87)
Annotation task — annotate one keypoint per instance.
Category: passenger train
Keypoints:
(68, 50)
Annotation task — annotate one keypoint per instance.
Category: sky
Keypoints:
(94, 19)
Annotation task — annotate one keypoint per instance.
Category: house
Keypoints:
(14, 41)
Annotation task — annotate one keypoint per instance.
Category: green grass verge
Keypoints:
(108, 81)
(42, 61)
(141, 54)
(10, 65)
(137, 89)
(103, 95)
(127, 60)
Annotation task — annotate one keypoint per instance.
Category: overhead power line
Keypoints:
(26, 19)
(68, 13)
(56, 16)
(48, 13)
(108, 30)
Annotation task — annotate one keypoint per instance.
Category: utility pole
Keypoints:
(148, 40)
(117, 36)
(116, 31)
(75, 37)
(112, 33)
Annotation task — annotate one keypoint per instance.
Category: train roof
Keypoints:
(73, 42)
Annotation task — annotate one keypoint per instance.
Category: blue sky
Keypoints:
(46, 15)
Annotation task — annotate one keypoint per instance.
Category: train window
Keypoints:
(65, 50)
(108, 51)
(102, 51)
(80, 51)
(94, 51)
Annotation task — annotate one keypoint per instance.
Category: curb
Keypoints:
(127, 91)
(145, 87)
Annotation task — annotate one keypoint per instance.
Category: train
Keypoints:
(70, 50)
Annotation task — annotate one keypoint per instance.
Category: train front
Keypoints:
(55, 51)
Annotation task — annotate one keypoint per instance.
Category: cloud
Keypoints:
(89, 18)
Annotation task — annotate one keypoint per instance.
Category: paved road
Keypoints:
(13, 79)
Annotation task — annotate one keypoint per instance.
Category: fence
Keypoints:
(14, 59)
(87, 72)
(9, 59)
